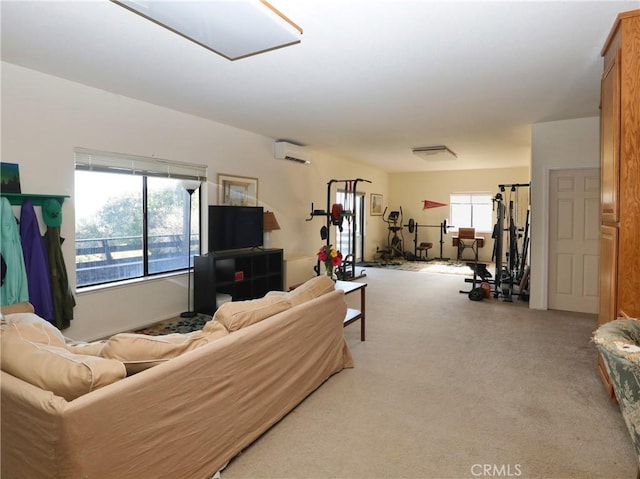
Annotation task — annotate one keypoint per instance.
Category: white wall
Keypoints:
(562, 144)
(44, 118)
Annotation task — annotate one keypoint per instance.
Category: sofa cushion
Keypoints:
(240, 314)
(36, 329)
(142, 351)
(311, 289)
(214, 326)
(54, 368)
(93, 348)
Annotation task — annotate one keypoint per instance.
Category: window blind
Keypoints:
(91, 160)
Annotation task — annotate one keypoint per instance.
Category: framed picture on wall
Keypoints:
(10, 176)
(376, 204)
(237, 190)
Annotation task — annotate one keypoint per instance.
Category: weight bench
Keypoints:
(424, 248)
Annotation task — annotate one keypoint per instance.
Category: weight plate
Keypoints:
(477, 294)
(412, 225)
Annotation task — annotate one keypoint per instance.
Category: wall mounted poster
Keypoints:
(10, 178)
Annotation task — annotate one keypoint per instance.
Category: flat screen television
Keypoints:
(235, 227)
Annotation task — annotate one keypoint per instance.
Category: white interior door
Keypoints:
(574, 220)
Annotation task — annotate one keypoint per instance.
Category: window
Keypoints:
(132, 216)
(472, 210)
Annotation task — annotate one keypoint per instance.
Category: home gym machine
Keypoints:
(335, 215)
(413, 227)
(511, 272)
(511, 275)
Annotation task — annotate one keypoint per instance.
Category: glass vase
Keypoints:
(329, 272)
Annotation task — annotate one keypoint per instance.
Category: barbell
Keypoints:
(413, 226)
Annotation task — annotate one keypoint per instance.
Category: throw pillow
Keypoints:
(36, 329)
(240, 314)
(55, 369)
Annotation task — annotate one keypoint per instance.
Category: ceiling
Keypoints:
(370, 80)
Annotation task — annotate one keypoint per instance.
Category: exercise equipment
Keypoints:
(424, 247)
(413, 227)
(525, 246)
(338, 214)
(497, 243)
(395, 242)
(482, 274)
(480, 269)
(467, 239)
(477, 294)
(335, 215)
(512, 276)
(511, 269)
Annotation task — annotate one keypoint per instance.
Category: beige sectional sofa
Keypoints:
(184, 416)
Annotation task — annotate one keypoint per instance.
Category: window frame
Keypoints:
(470, 203)
(193, 175)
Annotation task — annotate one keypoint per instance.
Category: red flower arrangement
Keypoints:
(331, 257)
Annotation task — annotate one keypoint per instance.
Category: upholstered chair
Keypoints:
(619, 343)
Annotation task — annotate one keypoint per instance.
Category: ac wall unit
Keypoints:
(288, 151)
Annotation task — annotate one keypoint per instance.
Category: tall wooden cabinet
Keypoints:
(620, 174)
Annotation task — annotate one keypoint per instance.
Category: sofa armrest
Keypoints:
(24, 307)
(30, 428)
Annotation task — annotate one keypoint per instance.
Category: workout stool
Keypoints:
(424, 248)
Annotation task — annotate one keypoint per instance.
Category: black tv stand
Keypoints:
(241, 274)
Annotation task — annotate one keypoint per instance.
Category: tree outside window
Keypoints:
(118, 238)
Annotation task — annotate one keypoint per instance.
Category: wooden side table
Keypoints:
(354, 314)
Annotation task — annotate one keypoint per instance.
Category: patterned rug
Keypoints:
(435, 266)
(176, 325)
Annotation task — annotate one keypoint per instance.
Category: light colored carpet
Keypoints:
(443, 386)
